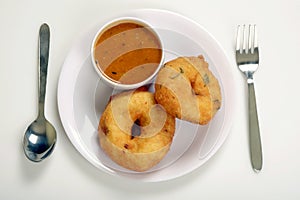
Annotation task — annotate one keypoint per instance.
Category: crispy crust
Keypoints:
(188, 90)
(157, 128)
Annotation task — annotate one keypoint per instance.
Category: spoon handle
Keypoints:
(44, 41)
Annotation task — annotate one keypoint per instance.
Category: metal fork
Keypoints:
(247, 59)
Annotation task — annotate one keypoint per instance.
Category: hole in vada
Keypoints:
(136, 129)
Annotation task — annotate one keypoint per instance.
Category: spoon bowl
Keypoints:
(40, 136)
(39, 140)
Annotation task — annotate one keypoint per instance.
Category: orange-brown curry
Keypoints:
(128, 53)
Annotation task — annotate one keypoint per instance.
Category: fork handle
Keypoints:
(254, 133)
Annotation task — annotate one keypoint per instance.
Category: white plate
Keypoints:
(82, 98)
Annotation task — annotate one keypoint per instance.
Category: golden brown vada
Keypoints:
(135, 131)
(188, 90)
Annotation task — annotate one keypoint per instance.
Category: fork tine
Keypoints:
(251, 39)
(238, 39)
(255, 45)
(245, 47)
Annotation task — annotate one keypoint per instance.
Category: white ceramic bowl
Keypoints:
(112, 83)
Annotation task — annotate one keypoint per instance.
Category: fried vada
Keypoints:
(135, 131)
(188, 90)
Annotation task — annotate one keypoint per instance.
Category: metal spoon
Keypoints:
(40, 136)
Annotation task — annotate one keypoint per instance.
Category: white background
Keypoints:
(228, 175)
